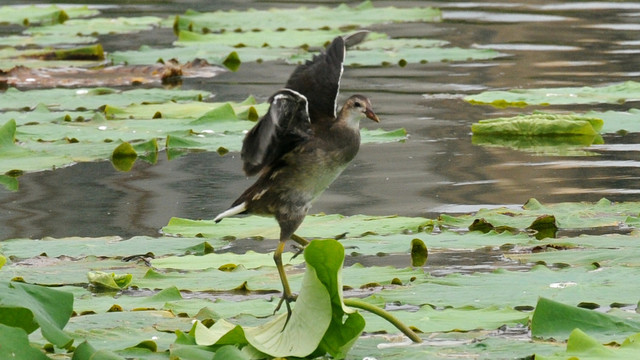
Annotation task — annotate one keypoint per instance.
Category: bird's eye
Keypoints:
(357, 104)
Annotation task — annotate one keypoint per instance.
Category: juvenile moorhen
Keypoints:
(300, 146)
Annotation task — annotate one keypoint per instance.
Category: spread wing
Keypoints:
(281, 129)
(319, 80)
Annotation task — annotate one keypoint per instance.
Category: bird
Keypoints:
(300, 146)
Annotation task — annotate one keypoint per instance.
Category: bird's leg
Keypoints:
(300, 240)
(287, 296)
(288, 224)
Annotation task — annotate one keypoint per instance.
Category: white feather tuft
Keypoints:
(230, 212)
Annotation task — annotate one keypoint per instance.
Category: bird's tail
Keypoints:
(238, 209)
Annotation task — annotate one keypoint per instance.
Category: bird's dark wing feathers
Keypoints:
(319, 80)
(281, 129)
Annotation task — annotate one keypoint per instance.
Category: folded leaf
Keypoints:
(539, 124)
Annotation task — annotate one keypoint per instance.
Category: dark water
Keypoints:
(436, 170)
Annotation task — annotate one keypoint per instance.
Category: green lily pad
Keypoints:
(317, 226)
(98, 26)
(616, 121)
(430, 320)
(584, 347)
(517, 289)
(557, 320)
(29, 15)
(29, 306)
(86, 351)
(249, 260)
(50, 57)
(541, 133)
(93, 98)
(610, 94)
(402, 56)
(109, 246)
(316, 325)
(266, 38)
(116, 330)
(44, 40)
(577, 215)
(212, 53)
(319, 17)
(539, 124)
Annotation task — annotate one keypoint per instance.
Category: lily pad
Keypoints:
(316, 325)
(93, 98)
(539, 124)
(541, 133)
(98, 26)
(303, 18)
(318, 226)
(609, 94)
(557, 320)
(584, 347)
(30, 15)
(29, 306)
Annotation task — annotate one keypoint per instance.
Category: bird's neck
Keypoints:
(351, 119)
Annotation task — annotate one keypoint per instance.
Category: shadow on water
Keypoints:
(437, 169)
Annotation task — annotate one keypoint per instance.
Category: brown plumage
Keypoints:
(300, 146)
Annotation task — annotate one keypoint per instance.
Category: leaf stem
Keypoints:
(357, 303)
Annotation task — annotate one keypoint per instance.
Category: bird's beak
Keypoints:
(371, 115)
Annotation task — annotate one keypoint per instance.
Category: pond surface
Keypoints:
(437, 170)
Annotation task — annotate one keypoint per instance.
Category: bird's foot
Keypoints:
(299, 250)
(287, 299)
(144, 257)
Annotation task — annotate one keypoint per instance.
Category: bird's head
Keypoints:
(356, 108)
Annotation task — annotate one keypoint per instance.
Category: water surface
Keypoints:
(436, 170)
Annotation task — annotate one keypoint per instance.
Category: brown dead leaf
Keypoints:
(169, 73)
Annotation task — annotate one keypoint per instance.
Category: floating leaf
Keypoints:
(99, 26)
(28, 15)
(86, 351)
(15, 344)
(93, 98)
(31, 306)
(584, 347)
(539, 124)
(610, 94)
(313, 226)
(556, 320)
(543, 133)
(316, 325)
(303, 18)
